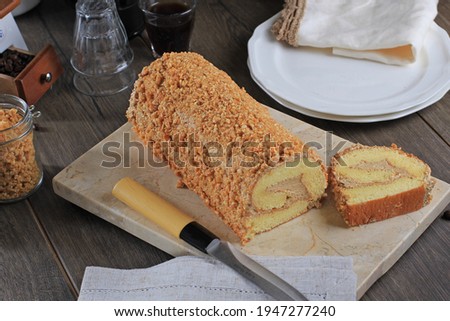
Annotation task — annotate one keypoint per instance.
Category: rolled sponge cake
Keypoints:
(224, 145)
(374, 183)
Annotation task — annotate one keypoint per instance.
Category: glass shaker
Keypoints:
(20, 172)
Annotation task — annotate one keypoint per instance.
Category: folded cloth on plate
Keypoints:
(191, 278)
(391, 32)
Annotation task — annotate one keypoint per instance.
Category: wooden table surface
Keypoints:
(47, 242)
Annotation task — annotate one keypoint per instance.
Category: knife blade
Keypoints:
(184, 227)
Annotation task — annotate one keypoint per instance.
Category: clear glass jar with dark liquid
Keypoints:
(169, 24)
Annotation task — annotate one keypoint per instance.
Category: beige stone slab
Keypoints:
(88, 182)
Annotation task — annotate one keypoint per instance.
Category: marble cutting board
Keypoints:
(88, 182)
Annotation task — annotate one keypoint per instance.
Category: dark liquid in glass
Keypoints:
(171, 29)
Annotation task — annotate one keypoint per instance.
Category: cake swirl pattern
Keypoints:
(375, 183)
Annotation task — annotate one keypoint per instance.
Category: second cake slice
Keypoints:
(374, 183)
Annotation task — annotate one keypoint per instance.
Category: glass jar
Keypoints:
(20, 172)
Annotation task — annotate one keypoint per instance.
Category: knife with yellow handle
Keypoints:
(182, 226)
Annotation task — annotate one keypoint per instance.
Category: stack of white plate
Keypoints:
(316, 83)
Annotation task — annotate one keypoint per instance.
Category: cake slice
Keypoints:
(374, 183)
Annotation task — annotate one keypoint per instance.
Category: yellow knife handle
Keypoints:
(162, 213)
(152, 206)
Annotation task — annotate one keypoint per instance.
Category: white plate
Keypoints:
(321, 82)
(350, 119)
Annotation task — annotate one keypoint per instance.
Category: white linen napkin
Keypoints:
(387, 31)
(191, 278)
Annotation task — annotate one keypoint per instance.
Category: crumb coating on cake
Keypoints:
(183, 97)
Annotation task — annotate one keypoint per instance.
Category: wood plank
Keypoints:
(410, 277)
(28, 269)
(438, 115)
(438, 118)
(72, 123)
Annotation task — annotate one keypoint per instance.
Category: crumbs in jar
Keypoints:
(19, 171)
